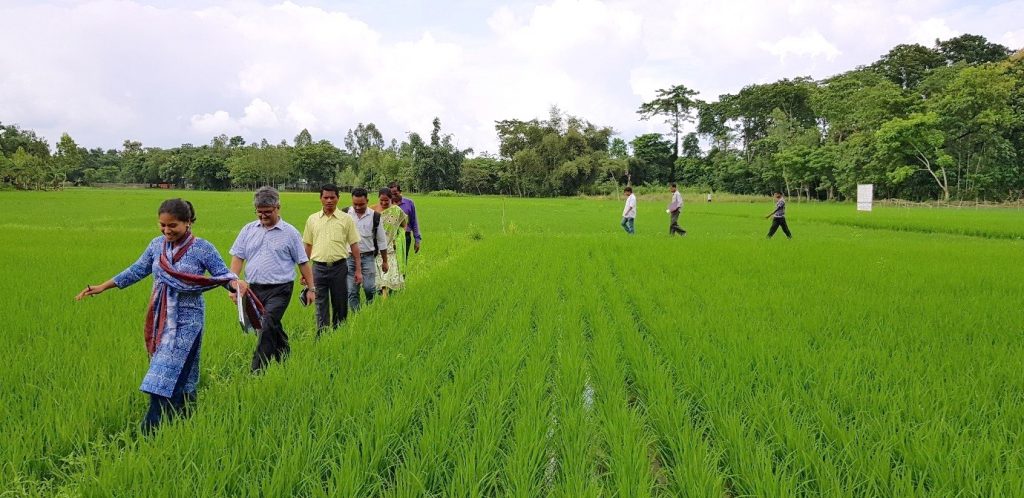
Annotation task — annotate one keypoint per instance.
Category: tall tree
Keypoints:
(971, 49)
(363, 138)
(439, 165)
(13, 138)
(303, 139)
(255, 167)
(318, 163)
(68, 158)
(906, 65)
(976, 114)
(542, 155)
(655, 159)
(133, 162)
(916, 143)
(857, 101)
(676, 104)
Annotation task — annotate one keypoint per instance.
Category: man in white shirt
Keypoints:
(675, 207)
(372, 240)
(629, 212)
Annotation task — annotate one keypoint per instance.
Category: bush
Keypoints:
(446, 193)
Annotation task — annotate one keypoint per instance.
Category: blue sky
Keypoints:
(167, 73)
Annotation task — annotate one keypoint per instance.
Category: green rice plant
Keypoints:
(529, 449)
(876, 354)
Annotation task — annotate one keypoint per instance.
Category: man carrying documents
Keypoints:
(269, 249)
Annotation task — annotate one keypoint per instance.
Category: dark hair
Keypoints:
(180, 209)
(330, 187)
(359, 192)
(384, 191)
(629, 189)
(673, 184)
(395, 185)
(778, 194)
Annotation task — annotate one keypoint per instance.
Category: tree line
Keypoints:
(922, 123)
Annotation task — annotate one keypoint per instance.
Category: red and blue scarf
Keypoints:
(169, 282)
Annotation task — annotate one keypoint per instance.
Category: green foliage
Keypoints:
(907, 65)
(253, 166)
(303, 139)
(562, 155)
(912, 125)
(437, 165)
(12, 138)
(971, 49)
(656, 158)
(481, 175)
(317, 163)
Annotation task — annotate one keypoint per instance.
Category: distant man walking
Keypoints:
(328, 237)
(412, 228)
(629, 212)
(371, 239)
(675, 207)
(779, 217)
(269, 249)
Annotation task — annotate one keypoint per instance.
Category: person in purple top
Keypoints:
(779, 217)
(412, 229)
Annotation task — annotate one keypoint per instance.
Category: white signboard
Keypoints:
(865, 195)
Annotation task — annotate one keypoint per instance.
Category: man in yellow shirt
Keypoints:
(329, 237)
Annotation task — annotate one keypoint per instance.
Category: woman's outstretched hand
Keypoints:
(92, 290)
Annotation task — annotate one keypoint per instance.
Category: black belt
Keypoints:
(367, 253)
(265, 286)
(332, 263)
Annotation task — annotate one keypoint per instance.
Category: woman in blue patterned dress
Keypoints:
(174, 324)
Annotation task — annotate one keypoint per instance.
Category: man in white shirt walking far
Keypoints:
(629, 212)
(675, 207)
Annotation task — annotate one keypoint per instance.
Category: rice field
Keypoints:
(539, 351)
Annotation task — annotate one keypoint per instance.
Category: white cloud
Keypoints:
(259, 114)
(810, 44)
(106, 70)
(215, 123)
(1013, 39)
(929, 30)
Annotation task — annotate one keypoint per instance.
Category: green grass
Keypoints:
(538, 350)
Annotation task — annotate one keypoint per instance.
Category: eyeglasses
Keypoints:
(263, 213)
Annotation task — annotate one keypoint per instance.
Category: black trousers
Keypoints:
(331, 293)
(408, 245)
(273, 341)
(779, 222)
(673, 226)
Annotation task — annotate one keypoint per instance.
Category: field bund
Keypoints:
(539, 350)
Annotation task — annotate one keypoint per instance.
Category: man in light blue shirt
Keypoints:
(269, 249)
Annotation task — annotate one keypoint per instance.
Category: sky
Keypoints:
(172, 72)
